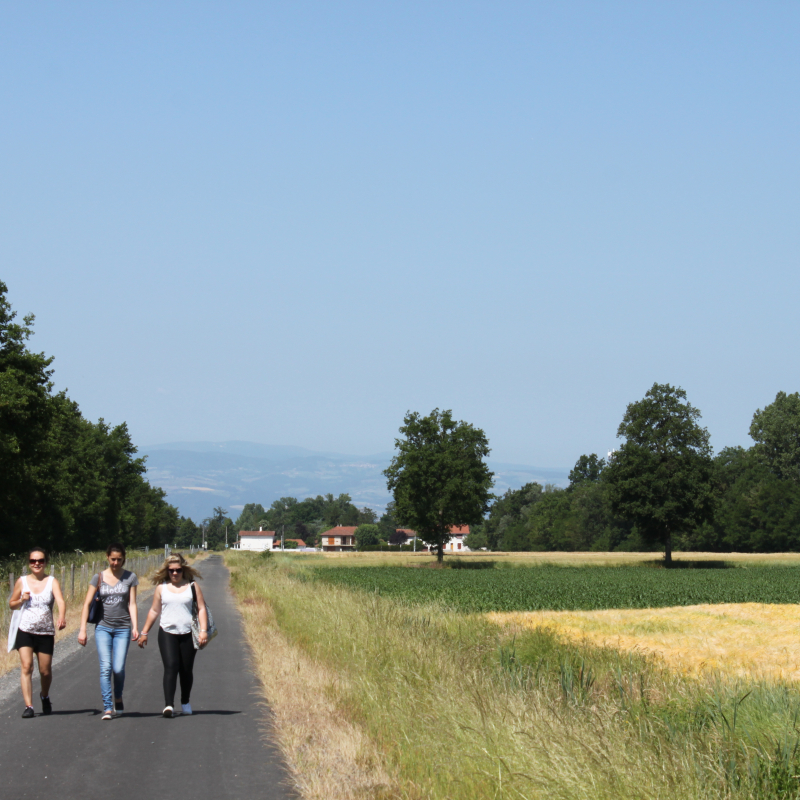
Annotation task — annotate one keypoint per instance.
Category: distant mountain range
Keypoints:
(197, 476)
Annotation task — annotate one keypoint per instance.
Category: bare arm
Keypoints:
(152, 616)
(134, 612)
(18, 597)
(62, 606)
(90, 593)
(202, 615)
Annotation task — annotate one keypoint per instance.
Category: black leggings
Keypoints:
(177, 653)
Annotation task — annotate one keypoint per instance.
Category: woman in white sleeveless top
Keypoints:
(35, 594)
(173, 600)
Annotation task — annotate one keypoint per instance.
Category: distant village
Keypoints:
(342, 538)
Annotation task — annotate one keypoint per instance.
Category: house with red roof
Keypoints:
(339, 539)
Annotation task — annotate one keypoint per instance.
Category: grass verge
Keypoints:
(429, 703)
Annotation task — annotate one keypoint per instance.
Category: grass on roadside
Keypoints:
(444, 705)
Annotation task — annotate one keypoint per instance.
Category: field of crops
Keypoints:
(571, 588)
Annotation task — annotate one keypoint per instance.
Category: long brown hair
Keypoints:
(162, 576)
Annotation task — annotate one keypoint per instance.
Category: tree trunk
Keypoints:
(668, 549)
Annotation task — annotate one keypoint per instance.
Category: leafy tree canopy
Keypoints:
(587, 469)
(438, 477)
(776, 431)
(660, 478)
(367, 534)
(66, 482)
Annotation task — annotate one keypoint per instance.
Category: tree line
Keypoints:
(296, 519)
(665, 488)
(66, 483)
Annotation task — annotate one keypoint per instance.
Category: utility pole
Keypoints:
(226, 537)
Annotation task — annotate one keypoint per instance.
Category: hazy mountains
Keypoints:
(198, 476)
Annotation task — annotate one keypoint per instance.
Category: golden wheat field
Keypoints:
(752, 640)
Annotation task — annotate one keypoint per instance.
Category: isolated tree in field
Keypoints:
(660, 478)
(439, 477)
(776, 432)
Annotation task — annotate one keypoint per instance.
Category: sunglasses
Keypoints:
(37, 560)
(175, 570)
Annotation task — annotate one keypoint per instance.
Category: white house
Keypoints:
(455, 544)
(258, 540)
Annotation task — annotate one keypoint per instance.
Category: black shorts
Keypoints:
(40, 642)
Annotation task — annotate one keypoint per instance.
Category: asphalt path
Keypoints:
(222, 751)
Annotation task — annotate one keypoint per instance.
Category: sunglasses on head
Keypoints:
(37, 560)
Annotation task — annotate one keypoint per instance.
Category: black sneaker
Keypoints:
(47, 706)
(119, 705)
(28, 712)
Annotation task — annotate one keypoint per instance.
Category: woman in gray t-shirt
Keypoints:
(117, 627)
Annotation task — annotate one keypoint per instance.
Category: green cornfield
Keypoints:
(570, 588)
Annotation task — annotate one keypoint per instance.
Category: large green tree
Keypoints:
(439, 477)
(660, 478)
(775, 430)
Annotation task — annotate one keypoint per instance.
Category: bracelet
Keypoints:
(203, 631)
(142, 633)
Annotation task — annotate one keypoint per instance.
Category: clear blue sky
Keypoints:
(292, 222)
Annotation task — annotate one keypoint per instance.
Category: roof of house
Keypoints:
(300, 542)
(455, 530)
(406, 531)
(257, 533)
(341, 530)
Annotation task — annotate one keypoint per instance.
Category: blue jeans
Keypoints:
(112, 650)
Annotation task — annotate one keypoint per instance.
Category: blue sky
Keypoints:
(292, 222)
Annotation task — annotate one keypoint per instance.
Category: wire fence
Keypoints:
(74, 573)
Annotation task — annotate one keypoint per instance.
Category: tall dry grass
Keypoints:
(426, 703)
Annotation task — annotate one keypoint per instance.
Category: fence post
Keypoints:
(11, 581)
(63, 585)
(72, 576)
(52, 569)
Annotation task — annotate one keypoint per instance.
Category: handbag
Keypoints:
(212, 628)
(13, 628)
(16, 618)
(96, 607)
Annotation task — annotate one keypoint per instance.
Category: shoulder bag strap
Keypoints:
(195, 608)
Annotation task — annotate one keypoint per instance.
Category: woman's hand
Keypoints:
(62, 623)
(202, 637)
(82, 638)
(134, 635)
(142, 639)
(23, 598)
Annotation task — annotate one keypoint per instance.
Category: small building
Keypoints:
(340, 538)
(455, 544)
(259, 540)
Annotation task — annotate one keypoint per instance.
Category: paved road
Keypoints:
(219, 752)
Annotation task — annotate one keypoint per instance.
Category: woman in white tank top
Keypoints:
(35, 595)
(173, 599)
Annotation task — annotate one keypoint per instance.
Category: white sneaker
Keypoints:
(109, 713)
(186, 708)
(168, 711)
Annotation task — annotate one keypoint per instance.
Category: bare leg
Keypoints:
(45, 672)
(26, 673)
